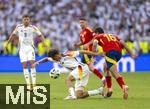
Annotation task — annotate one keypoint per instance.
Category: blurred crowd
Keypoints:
(58, 20)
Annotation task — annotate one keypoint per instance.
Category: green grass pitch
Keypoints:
(139, 92)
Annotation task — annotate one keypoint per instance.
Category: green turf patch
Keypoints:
(139, 88)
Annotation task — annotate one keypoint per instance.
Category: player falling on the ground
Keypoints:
(86, 35)
(112, 46)
(79, 72)
(26, 33)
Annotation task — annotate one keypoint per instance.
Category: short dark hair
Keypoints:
(99, 30)
(53, 52)
(82, 19)
(24, 16)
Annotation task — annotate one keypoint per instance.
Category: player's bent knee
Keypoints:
(32, 65)
(25, 67)
(70, 78)
(67, 80)
(91, 67)
(105, 68)
(24, 64)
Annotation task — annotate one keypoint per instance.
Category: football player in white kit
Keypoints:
(26, 33)
(79, 72)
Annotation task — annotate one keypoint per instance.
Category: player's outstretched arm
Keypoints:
(127, 49)
(76, 53)
(91, 53)
(42, 61)
(76, 45)
(87, 44)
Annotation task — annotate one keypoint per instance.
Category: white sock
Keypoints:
(71, 91)
(27, 77)
(33, 76)
(94, 92)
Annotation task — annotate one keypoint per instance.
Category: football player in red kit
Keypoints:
(86, 35)
(112, 46)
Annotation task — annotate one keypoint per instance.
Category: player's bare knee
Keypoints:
(24, 64)
(25, 67)
(105, 68)
(32, 64)
(67, 80)
(91, 67)
(71, 78)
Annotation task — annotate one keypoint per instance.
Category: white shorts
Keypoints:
(81, 78)
(27, 55)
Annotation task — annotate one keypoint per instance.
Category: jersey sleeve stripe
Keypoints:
(37, 30)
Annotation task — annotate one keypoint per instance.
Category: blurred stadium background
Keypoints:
(58, 21)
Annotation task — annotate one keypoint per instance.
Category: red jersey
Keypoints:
(86, 35)
(109, 42)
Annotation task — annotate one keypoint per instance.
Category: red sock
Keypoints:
(120, 81)
(98, 74)
(108, 81)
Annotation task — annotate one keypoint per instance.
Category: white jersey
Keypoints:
(81, 77)
(26, 35)
(69, 62)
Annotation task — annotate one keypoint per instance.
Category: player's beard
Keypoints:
(83, 26)
(26, 24)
